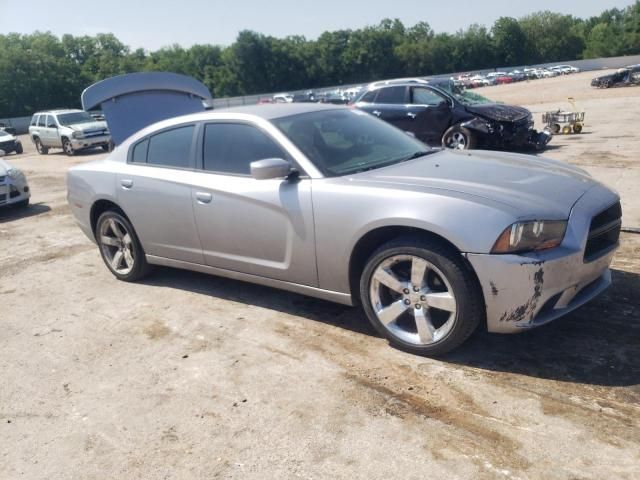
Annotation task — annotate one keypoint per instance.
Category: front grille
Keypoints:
(2, 178)
(604, 232)
(10, 145)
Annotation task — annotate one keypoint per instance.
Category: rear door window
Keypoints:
(392, 95)
(139, 154)
(171, 148)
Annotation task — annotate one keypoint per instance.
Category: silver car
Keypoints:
(333, 203)
(14, 188)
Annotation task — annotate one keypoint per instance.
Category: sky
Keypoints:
(152, 24)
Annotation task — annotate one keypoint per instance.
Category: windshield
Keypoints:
(342, 142)
(73, 118)
(460, 93)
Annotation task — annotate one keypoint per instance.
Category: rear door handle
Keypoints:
(412, 115)
(203, 197)
(126, 183)
(377, 113)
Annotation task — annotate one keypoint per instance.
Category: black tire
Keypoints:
(67, 147)
(106, 147)
(460, 138)
(19, 148)
(42, 150)
(468, 295)
(21, 204)
(140, 268)
(555, 128)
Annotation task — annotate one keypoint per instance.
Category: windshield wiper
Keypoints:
(415, 155)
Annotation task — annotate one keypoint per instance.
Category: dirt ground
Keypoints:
(189, 376)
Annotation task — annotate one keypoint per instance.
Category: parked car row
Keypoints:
(469, 80)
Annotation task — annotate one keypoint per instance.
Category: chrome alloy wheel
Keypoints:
(117, 246)
(413, 299)
(457, 141)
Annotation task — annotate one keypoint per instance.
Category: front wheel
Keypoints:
(68, 147)
(459, 138)
(420, 295)
(120, 247)
(19, 148)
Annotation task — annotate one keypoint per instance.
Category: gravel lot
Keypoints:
(190, 376)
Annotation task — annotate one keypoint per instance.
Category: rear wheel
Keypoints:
(577, 128)
(42, 150)
(19, 148)
(566, 129)
(459, 138)
(120, 247)
(420, 296)
(555, 128)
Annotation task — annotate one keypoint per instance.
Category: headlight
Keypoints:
(14, 174)
(77, 135)
(528, 236)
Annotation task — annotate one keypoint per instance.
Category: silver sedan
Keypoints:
(334, 203)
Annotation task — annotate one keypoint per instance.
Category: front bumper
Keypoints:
(13, 191)
(526, 291)
(89, 142)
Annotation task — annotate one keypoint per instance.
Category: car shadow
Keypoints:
(10, 213)
(599, 344)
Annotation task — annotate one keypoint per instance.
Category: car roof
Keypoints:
(57, 112)
(270, 111)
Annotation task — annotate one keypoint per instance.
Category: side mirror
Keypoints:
(270, 168)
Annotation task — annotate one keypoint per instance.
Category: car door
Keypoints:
(259, 227)
(389, 105)
(42, 130)
(429, 114)
(51, 135)
(154, 190)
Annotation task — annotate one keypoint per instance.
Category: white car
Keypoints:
(283, 98)
(14, 189)
(71, 130)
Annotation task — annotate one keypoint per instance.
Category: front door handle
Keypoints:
(377, 113)
(412, 115)
(203, 197)
(126, 183)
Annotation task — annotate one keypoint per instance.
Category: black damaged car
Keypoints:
(444, 114)
(623, 77)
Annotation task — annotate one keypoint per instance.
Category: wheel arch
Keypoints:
(373, 239)
(99, 207)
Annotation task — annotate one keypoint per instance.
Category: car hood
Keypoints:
(499, 111)
(524, 185)
(87, 127)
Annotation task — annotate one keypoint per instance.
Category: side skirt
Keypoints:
(337, 297)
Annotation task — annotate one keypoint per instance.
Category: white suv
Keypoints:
(71, 130)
